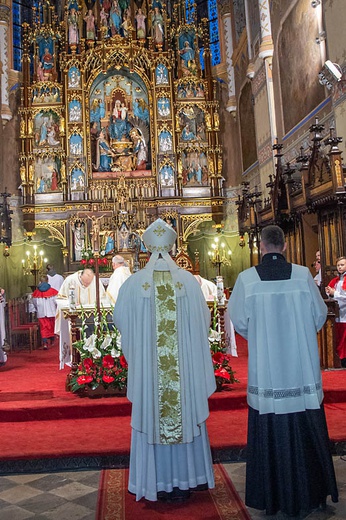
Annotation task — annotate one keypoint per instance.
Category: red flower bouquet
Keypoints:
(88, 260)
(102, 362)
(221, 360)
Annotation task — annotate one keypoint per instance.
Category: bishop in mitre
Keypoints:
(164, 322)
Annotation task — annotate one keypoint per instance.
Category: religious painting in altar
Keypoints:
(46, 129)
(119, 123)
(194, 168)
(190, 89)
(165, 141)
(161, 74)
(47, 174)
(76, 143)
(167, 174)
(75, 111)
(192, 123)
(47, 93)
(163, 107)
(73, 77)
(45, 64)
(77, 177)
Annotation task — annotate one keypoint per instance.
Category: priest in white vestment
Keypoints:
(84, 285)
(120, 274)
(209, 290)
(164, 322)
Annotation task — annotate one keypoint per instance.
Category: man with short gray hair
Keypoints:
(120, 274)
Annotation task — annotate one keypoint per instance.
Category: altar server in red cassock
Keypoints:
(44, 300)
(337, 289)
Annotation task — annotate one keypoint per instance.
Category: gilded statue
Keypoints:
(63, 172)
(31, 173)
(22, 171)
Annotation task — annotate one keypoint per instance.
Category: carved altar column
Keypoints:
(5, 14)
(225, 12)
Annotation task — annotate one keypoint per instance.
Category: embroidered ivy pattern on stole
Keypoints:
(170, 420)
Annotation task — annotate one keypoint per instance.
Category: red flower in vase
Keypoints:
(84, 379)
(108, 379)
(222, 372)
(88, 364)
(123, 361)
(218, 357)
(108, 361)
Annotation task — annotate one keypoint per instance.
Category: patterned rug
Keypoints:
(220, 503)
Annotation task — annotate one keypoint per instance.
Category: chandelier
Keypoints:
(33, 263)
(218, 255)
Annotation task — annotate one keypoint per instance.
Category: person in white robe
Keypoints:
(164, 322)
(55, 280)
(278, 308)
(120, 274)
(84, 285)
(209, 290)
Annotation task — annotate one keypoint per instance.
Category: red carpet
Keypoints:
(39, 419)
(220, 503)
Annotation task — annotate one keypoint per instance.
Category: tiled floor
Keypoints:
(73, 495)
(337, 511)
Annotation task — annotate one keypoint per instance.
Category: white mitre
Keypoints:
(159, 239)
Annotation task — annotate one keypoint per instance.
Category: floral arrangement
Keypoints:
(102, 362)
(221, 360)
(89, 260)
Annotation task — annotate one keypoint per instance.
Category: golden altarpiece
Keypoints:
(119, 125)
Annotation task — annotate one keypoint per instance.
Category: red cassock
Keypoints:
(340, 327)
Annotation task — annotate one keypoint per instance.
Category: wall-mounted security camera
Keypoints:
(334, 69)
(321, 37)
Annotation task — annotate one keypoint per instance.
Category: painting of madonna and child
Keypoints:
(119, 126)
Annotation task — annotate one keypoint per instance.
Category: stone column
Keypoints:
(5, 13)
(266, 52)
(224, 7)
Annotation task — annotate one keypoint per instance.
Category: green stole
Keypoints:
(168, 373)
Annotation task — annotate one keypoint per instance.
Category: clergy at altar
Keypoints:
(121, 272)
(84, 286)
(164, 322)
(208, 288)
